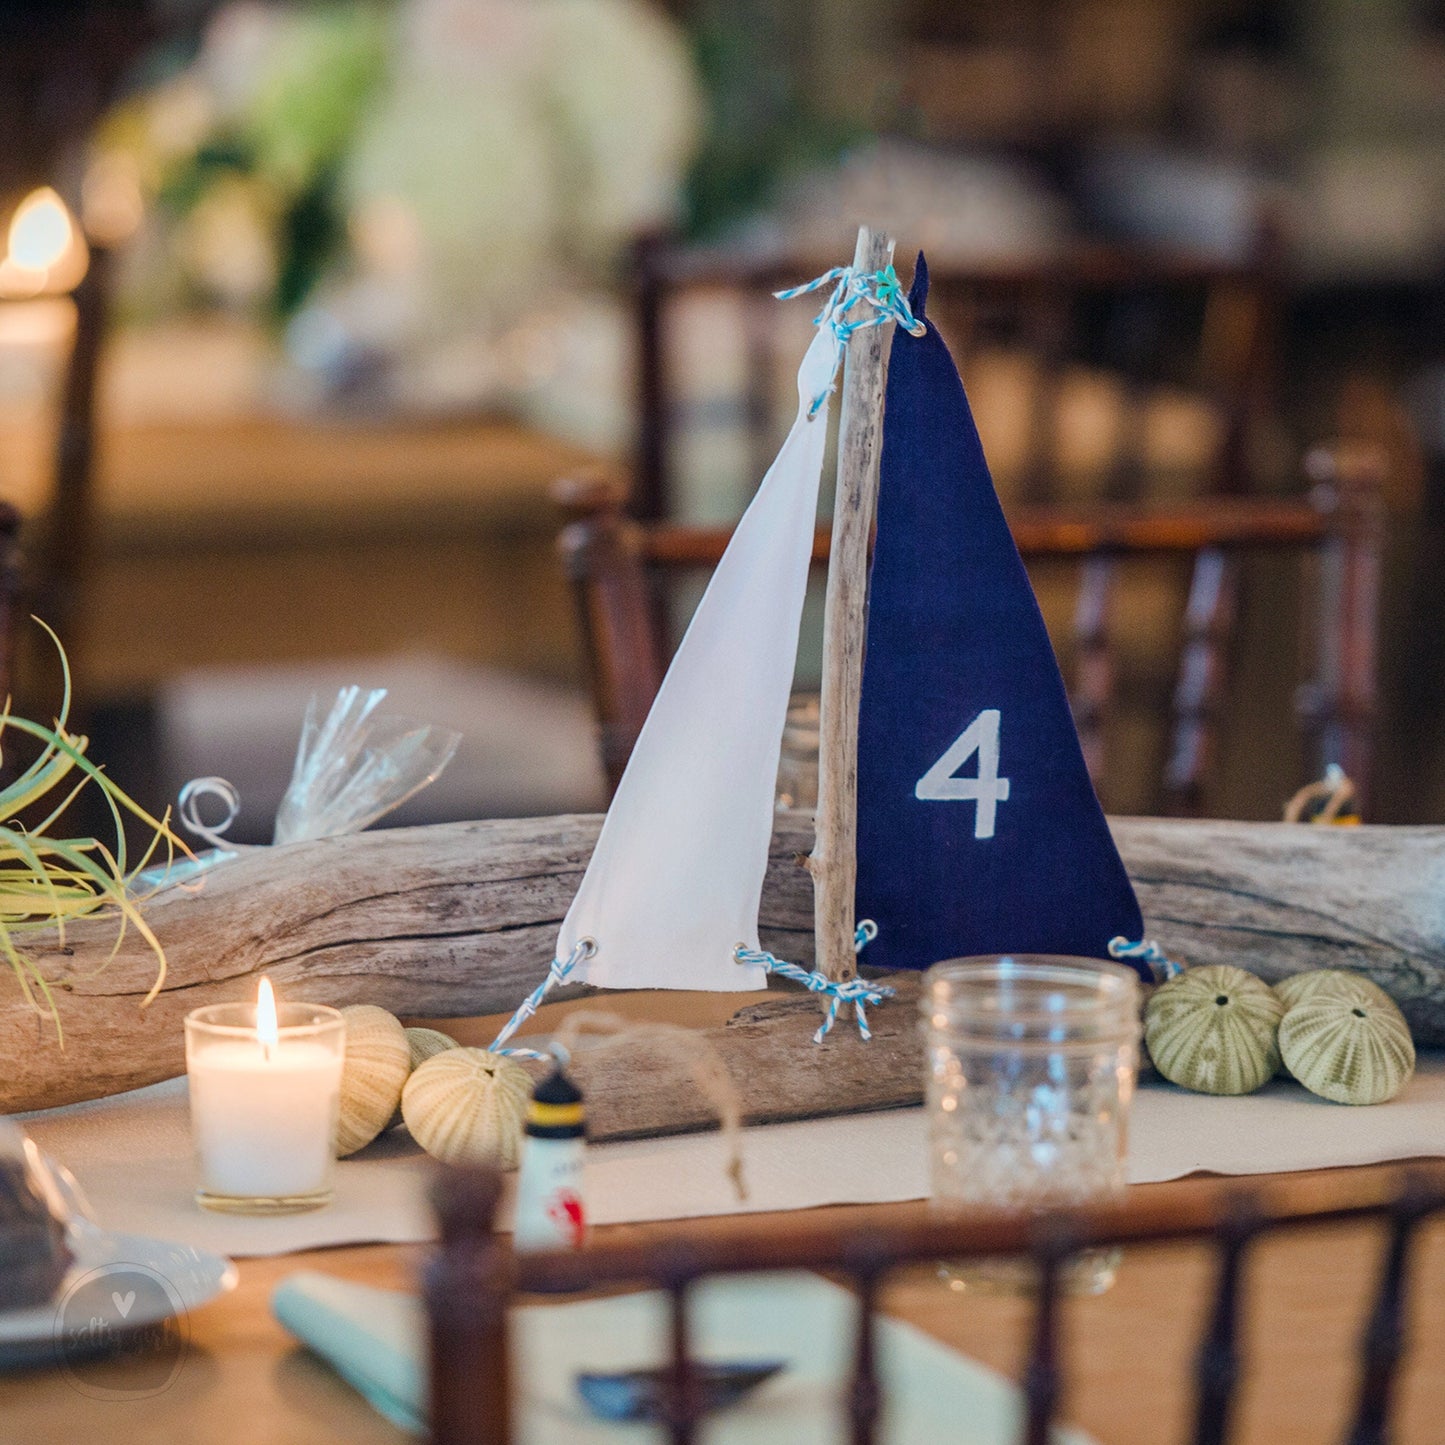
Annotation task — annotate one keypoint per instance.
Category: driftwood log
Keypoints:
(460, 920)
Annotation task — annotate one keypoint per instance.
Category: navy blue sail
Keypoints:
(978, 827)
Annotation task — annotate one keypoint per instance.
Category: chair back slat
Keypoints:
(1382, 1343)
(654, 400)
(1337, 707)
(1041, 1381)
(1239, 353)
(759, 346)
(865, 1394)
(1093, 681)
(682, 1408)
(620, 621)
(1209, 619)
(65, 556)
(1216, 1369)
(1045, 334)
(12, 591)
(1136, 324)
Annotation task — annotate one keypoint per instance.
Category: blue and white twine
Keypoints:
(879, 291)
(857, 991)
(557, 973)
(1145, 951)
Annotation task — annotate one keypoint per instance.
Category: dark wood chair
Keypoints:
(61, 66)
(620, 570)
(475, 1275)
(12, 591)
(1145, 317)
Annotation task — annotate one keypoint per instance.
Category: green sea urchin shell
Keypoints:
(1315, 983)
(1325, 982)
(1214, 1030)
(427, 1043)
(468, 1105)
(378, 1059)
(1348, 1042)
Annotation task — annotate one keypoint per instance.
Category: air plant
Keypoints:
(48, 881)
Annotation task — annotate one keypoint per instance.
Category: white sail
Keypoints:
(674, 884)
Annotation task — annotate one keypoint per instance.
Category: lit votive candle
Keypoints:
(265, 1091)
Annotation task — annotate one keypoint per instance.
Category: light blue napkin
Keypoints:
(373, 1338)
(376, 1340)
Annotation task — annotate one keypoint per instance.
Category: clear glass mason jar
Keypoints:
(1031, 1069)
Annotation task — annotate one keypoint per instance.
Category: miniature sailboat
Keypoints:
(958, 667)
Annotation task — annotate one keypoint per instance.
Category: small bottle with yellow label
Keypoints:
(550, 1209)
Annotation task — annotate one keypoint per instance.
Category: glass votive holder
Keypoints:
(1031, 1066)
(263, 1115)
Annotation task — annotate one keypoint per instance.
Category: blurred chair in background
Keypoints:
(1100, 377)
(61, 65)
(621, 570)
(1096, 359)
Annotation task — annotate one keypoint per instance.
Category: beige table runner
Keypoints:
(132, 1156)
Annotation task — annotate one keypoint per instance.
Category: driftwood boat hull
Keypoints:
(459, 920)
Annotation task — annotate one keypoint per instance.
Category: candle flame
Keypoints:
(44, 252)
(266, 1015)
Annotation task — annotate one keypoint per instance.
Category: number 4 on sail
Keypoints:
(941, 783)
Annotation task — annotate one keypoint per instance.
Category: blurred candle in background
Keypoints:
(45, 253)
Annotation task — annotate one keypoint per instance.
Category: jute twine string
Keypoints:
(1334, 793)
(709, 1073)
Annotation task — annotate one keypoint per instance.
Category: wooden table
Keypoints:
(1128, 1352)
(263, 538)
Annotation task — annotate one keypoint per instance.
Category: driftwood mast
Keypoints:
(834, 862)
